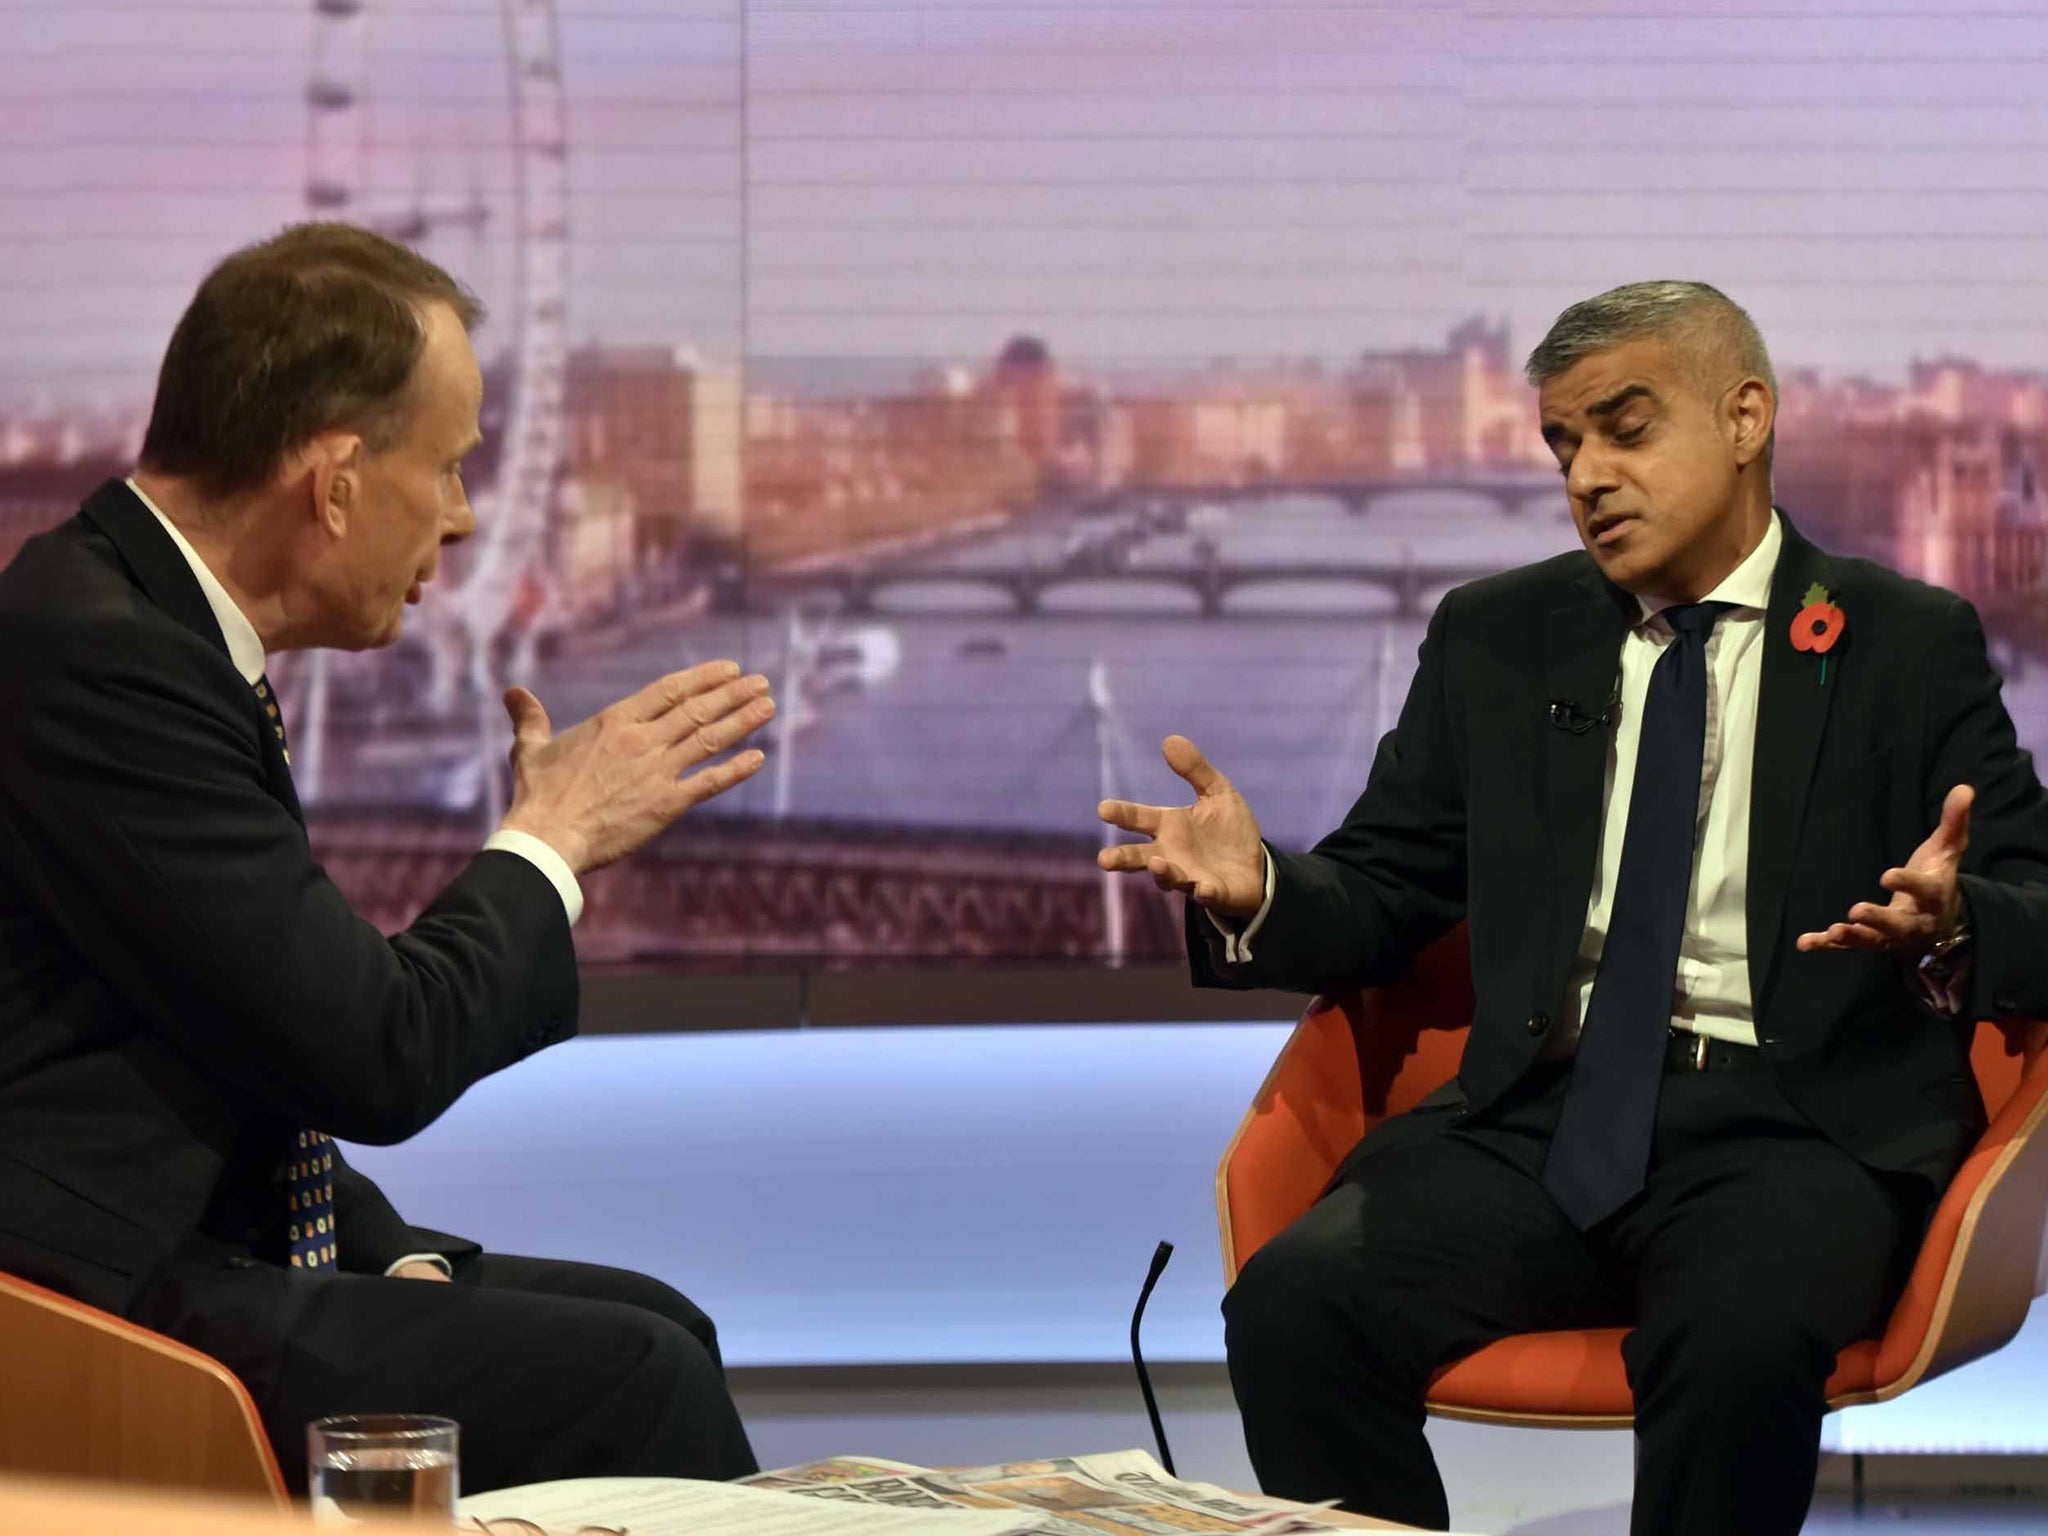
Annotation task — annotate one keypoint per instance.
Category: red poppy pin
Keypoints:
(1818, 625)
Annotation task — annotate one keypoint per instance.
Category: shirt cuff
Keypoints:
(544, 859)
(434, 1259)
(1237, 942)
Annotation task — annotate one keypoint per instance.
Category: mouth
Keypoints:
(417, 590)
(1605, 528)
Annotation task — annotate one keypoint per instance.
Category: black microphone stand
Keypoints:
(1159, 1257)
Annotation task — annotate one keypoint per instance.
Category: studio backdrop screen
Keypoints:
(1017, 381)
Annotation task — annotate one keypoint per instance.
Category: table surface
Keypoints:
(1362, 1522)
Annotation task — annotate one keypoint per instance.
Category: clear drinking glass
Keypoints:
(361, 1465)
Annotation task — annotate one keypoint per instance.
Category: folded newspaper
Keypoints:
(1122, 1493)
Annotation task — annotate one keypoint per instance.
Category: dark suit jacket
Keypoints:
(182, 989)
(1479, 808)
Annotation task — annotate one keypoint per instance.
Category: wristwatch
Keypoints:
(1945, 957)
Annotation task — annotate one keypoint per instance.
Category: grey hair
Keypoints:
(1718, 339)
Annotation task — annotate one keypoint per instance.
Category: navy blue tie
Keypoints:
(1600, 1151)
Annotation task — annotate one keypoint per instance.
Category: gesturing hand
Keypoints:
(601, 789)
(1210, 850)
(1926, 903)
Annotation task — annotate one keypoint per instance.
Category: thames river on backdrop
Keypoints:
(942, 707)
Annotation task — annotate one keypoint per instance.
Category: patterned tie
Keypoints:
(309, 1175)
(309, 1202)
(1600, 1152)
(267, 697)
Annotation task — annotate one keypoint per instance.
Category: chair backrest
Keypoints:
(87, 1395)
(1351, 1062)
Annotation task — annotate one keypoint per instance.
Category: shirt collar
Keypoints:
(1749, 584)
(245, 646)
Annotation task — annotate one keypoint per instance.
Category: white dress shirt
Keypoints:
(1711, 995)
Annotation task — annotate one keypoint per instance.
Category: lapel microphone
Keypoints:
(1566, 715)
(1159, 1257)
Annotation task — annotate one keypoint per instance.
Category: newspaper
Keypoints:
(676, 1506)
(1120, 1493)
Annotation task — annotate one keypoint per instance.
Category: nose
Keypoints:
(460, 524)
(1590, 477)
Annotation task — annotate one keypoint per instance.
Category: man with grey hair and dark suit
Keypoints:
(1745, 844)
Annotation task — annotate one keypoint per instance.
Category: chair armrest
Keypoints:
(1990, 1224)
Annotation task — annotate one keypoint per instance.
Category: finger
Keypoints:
(1185, 759)
(665, 693)
(1899, 925)
(530, 724)
(1928, 890)
(710, 740)
(1955, 817)
(708, 708)
(718, 778)
(1838, 937)
(1167, 875)
(1828, 938)
(1131, 816)
(1122, 858)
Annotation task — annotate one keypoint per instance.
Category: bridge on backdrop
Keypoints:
(1155, 537)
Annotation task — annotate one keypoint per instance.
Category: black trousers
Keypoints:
(553, 1369)
(1757, 1250)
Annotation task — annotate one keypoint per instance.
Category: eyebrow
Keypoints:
(1619, 398)
(1554, 431)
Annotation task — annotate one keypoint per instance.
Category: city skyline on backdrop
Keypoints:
(1162, 182)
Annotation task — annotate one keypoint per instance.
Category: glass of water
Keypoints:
(362, 1465)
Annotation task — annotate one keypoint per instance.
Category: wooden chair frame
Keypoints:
(89, 1396)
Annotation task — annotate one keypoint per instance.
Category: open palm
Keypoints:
(1209, 850)
(1926, 901)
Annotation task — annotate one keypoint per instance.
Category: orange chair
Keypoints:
(87, 1395)
(1354, 1060)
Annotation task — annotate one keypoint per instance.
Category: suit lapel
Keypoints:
(1582, 666)
(160, 570)
(1791, 716)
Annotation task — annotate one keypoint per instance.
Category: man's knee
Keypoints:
(660, 1352)
(665, 1301)
(1737, 1345)
(1304, 1293)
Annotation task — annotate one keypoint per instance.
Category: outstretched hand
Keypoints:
(1209, 850)
(1926, 901)
(599, 790)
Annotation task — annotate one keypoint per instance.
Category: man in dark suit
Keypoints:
(1680, 786)
(189, 1009)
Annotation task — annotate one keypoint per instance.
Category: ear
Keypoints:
(333, 464)
(1750, 414)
